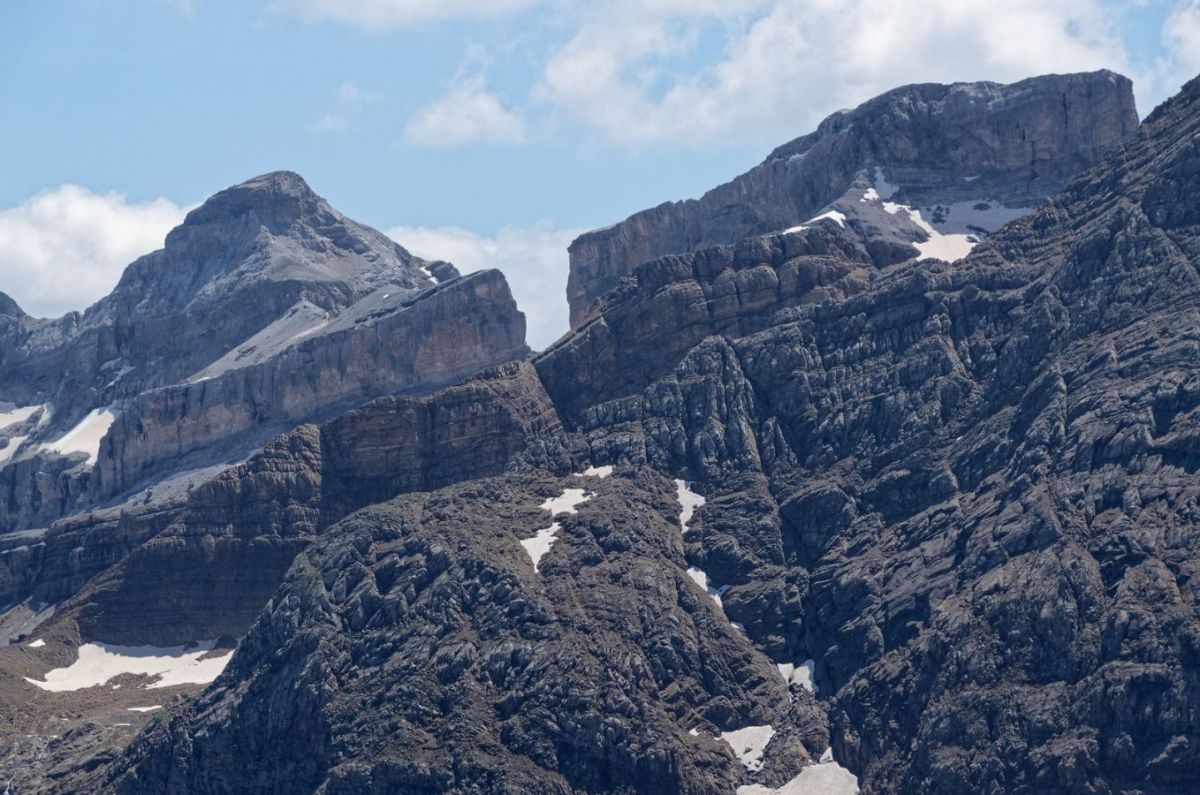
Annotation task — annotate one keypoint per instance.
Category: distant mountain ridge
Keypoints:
(814, 510)
(1013, 145)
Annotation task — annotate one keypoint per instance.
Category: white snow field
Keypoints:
(749, 743)
(826, 778)
(85, 437)
(100, 662)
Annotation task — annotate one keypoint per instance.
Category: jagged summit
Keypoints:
(924, 146)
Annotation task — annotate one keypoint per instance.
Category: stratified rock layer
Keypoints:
(938, 144)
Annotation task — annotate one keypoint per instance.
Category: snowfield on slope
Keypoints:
(99, 663)
(85, 437)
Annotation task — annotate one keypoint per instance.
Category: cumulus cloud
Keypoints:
(385, 14)
(533, 259)
(786, 64)
(65, 248)
(466, 114)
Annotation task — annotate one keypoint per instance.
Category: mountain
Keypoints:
(266, 308)
(778, 516)
(967, 157)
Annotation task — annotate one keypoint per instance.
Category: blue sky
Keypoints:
(484, 132)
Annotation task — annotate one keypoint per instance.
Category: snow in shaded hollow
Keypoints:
(801, 674)
(85, 437)
(567, 502)
(749, 744)
(170, 666)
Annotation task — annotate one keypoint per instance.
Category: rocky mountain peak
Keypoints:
(275, 200)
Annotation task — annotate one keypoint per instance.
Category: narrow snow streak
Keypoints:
(689, 501)
(142, 709)
(100, 662)
(749, 743)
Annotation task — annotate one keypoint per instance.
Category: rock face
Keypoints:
(265, 309)
(425, 614)
(960, 496)
(936, 145)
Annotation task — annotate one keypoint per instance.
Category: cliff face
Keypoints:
(934, 145)
(965, 492)
(265, 309)
(956, 500)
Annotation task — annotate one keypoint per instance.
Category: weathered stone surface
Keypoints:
(265, 309)
(1013, 144)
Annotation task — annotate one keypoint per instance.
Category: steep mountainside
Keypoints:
(266, 308)
(967, 157)
(779, 513)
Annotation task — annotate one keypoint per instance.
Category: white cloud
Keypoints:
(787, 64)
(533, 259)
(65, 248)
(386, 14)
(1180, 60)
(466, 114)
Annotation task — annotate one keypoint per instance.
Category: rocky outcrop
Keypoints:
(962, 495)
(212, 569)
(937, 145)
(265, 309)
(604, 669)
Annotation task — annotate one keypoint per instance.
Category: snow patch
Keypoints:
(85, 437)
(801, 674)
(827, 778)
(884, 189)
(595, 472)
(689, 501)
(832, 215)
(748, 744)
(172, 665)
(15, 415)
(870, 195)
(540, 544)
(567, 502)
(142, 709)
(37, 644)
(429, 273)
(14, 444)
(701, 578)
(792, 229)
